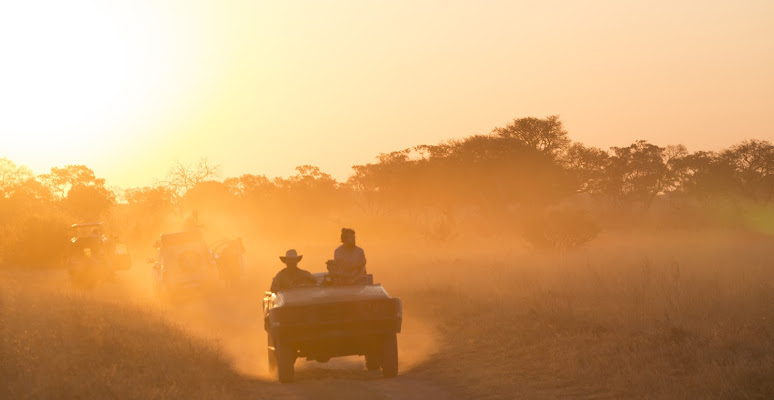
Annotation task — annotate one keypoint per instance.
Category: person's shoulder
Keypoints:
(359, 249)
(339, 249)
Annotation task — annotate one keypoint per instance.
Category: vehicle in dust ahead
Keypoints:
(331, 320)
(229, 259)
(182, 263)
(92, 256)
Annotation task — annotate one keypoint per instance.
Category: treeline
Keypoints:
(526, 179)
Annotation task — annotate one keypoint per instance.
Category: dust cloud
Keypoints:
(232, 318)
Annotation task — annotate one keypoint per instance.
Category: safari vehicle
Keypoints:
(230, 260)
(332, 320)
(92, 257)
(182, 263)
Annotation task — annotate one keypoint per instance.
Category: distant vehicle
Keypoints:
(183, 263)
(230, 260)
(329, 320)
(93, 257)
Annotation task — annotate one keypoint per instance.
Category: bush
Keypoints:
(560, 229)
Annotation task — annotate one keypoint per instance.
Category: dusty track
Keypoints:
(240, 333)
(671, 320)
(232, 318)
(346, 379)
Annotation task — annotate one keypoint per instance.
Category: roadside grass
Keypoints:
(688, 323)
(681, 317)
(65, 346)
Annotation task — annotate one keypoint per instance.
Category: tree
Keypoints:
(12, 176)
(752, 162)
(209, 197)
(89, 203)
(514, 169)
(546, 135)
(81, 192)
(151, 199)
(62, 180)
(637, 172)
(32, 193)
(249, 186)
(310, 192)
(588, 166)
(182, 177)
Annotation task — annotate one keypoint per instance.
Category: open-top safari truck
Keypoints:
(92, 256)
(183, 263)
(332, 320)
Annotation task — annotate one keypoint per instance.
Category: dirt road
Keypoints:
(238, 329)
(345, 378)
(233, 320)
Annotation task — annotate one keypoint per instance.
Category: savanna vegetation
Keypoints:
(526, 180)
(530, 266)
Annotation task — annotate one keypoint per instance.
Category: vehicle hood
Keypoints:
(329, 294)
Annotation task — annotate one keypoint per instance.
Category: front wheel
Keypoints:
(272, 362)
(390, 356)
(373, 361)
(272, 354)
(286, 358)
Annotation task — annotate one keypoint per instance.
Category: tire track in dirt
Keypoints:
(346, 378)
(234, 321)
(244, 343)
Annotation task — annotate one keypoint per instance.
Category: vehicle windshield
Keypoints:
(171, 254)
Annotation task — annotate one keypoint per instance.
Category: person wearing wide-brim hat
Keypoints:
(291, 276)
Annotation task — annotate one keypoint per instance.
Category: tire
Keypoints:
(286, 357)
(390, 356)
(373, 361)
(272, 354)
(373, 356)
(272, 361)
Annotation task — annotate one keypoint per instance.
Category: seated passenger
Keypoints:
(349, 262)
(291, 276)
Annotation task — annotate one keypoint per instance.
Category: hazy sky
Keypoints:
(128, 87)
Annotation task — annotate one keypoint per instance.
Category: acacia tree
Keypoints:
(12, 176)
(515, 167)
(588, 166)
(250, 187)
(543, 134)
(379, 185)
(309, 192)
(80, 191)
(637, 172)
(697, 174)
(182, 177)
(62, 180)
(752, 165)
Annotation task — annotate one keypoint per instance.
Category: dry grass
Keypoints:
(671, 316)
(645, 321)
(64, 346)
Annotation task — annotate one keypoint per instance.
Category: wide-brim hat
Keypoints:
(291, 255)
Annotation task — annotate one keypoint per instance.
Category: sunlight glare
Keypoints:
(83, 74)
